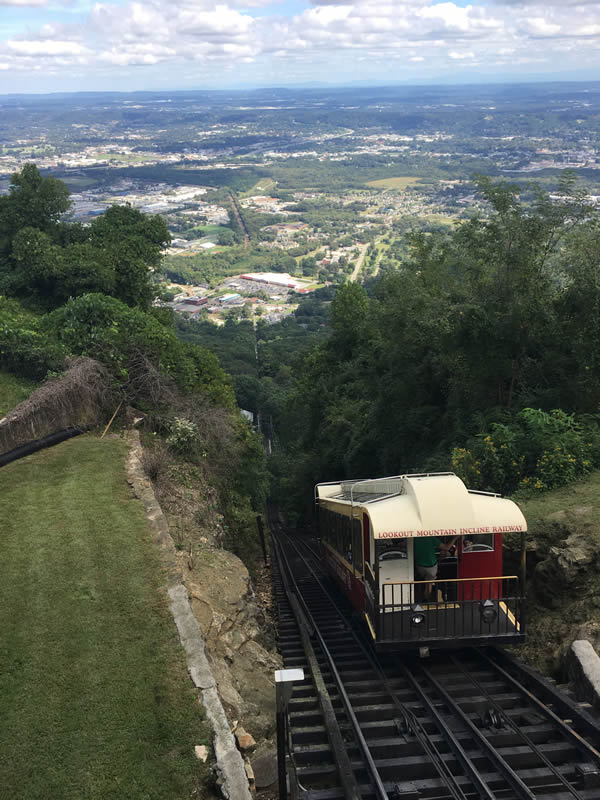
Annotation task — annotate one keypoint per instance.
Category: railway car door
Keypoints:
(480, 556)
(395, 573)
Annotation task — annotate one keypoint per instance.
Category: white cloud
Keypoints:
(222, 22)
(45, 47)
(538, 26)
(176, 33)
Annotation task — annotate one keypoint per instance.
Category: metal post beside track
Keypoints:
(284, 684)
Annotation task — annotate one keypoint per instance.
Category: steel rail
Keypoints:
(516, 729)
(376, 778)
(416, 726)
(567, 731)
(523, 792)
(334, 734)
(481, 787)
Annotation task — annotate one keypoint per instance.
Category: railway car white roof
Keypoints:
(426, 505)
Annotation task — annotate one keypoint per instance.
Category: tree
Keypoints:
(46, 260)
(32, 201)
(348, 314)
(133, 243)
(226, 237)
(508, 268)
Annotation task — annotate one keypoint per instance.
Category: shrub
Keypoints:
(467, 467)
(538, 450)
(121, 337)
(183, 436)
(156, 461)
(24, 350)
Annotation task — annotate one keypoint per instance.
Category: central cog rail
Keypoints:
(458, 726)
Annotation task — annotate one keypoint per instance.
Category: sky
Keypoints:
(130, 45)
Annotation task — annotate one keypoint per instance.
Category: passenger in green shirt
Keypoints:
(425, 552)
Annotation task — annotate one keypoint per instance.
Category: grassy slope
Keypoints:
(568, 498)
(95, 700)
(12, 391)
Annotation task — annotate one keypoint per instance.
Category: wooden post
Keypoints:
(111, 419)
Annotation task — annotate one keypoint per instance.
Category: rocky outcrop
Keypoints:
(563, 587)
(238, 638)
(565, 562)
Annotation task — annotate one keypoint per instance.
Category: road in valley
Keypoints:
(359, 261)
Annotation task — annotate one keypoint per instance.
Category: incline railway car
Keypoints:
(420, 559)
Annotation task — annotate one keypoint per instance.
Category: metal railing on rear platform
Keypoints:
(460, 608)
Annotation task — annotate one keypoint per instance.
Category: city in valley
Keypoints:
(272, 194)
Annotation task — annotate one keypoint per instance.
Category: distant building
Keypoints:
(276, 279)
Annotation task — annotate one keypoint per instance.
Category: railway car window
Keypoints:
(391, 549)
(357, 544)
(367, 538)
(478, 543)
(346, 539)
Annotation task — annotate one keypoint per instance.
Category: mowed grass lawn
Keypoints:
(393, 183)
(95, 699)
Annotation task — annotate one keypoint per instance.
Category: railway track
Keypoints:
(458, 726)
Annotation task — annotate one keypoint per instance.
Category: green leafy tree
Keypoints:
(33, 201)
(226, 237)
(133, 244)
(46, 260)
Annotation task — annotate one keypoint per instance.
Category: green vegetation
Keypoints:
(212, 266)
(583, 493)
(13, 390)
(46, 260)
(564, 585)
(479, 340)
(263, 186)
(95, 696)
(24, 349)
(534, 451)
